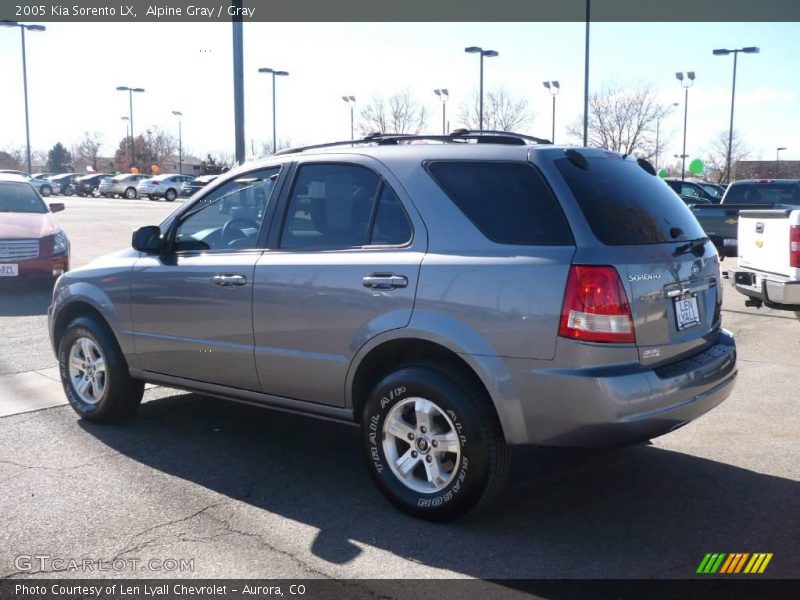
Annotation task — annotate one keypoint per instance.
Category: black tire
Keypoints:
(170, 195)
(130, 193)
(122, 394)
(473, 479)
(95, 191)
(68, 191)
(45, 190)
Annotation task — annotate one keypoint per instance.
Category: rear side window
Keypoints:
(626, 206)
(763, 193)
(509, 202)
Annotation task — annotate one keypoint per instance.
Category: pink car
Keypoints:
(32, 244)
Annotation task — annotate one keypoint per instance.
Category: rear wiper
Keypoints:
(696, 247)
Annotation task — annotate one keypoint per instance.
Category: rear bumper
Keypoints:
(623, 404)
(773, 290)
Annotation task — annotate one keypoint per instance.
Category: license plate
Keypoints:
(9, 270)
(686, 312)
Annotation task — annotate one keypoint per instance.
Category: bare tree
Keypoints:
(623, 120)
(501, 112)
(162, 145)
(266, 147)
(13, 158)
(398, 113)
(717, 155)
(87, 151)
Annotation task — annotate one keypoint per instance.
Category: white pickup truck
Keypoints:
(769, 258)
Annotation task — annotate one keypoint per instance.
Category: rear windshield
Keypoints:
(509, 202)
(763, 193)
(20, 198)
(625, 205)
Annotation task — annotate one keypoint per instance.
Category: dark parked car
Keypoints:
(453, 299)
(691, 188)
(193, 185)
(67, 182)
(89, 185)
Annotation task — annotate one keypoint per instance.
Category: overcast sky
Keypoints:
(73, 70)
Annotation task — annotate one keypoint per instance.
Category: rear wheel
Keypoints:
(130, 193)
(95, 191)
(170, 195)
(68, 191)
(434, 446)
(94, 373)
(46, 190)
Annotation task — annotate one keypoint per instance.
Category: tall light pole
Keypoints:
(553, 87)
(130, 90)
(586, 77)
(735, 52)
(444, 95)
(179, 114)
(689, 82)
(778, 161)
(127, 130)
(274, 75)
(22, 28)
(351, 100)
(482, 52)
(658, 126)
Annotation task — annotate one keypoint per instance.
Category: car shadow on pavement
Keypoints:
(25, 300)
(640, 511)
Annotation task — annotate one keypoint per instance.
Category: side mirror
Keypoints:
(147, 239)
(57, 206)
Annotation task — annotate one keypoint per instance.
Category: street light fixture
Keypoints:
(735, 52)
(777, 161)
(130, 90)
(444, 96)
(274, 75)
(483, 53)
(553, 87)
(658, 126)
(351, 100)
(689, 82)
(22, 28)
(179, 114)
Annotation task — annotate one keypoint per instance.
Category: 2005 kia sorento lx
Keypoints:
(454, 298)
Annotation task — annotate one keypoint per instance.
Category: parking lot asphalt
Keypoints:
(247, 492)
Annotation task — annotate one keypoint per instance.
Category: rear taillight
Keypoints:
(794, 246)
(596, 307)
(115, 181)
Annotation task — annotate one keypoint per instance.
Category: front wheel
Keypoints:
(94, 373)
(95, 192)
(46, 190)
(170, 195)
(68, 191)
(130, 193)
(434, 446)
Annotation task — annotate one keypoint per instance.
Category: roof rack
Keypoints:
(456, 136)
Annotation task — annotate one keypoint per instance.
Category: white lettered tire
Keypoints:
(433, 445)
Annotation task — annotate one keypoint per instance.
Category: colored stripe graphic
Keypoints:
(722, 563)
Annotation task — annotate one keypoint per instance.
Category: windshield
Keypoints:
(20, 198)
(626, 206)
(763, 193)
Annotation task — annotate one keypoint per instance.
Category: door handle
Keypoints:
(229, 279)
(385, 281)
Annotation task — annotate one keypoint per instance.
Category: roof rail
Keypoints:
(456, 136)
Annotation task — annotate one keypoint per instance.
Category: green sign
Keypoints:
(696, 167)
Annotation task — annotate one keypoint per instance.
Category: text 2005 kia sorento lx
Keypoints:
(454, 297)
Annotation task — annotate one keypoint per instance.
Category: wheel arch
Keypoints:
(487, 373)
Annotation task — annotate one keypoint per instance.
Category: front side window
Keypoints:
(342, 206)
(230, 217)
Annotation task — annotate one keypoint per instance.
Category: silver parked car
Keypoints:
(162, 186)
(45, 187)
(453, 298)
(122, 185)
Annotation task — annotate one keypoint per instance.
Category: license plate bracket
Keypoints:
(687, 313)
(9, 270)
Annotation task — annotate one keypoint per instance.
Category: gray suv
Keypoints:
(454, 298)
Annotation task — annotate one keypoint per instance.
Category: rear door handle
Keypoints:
(385, 281)
(229, 279)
